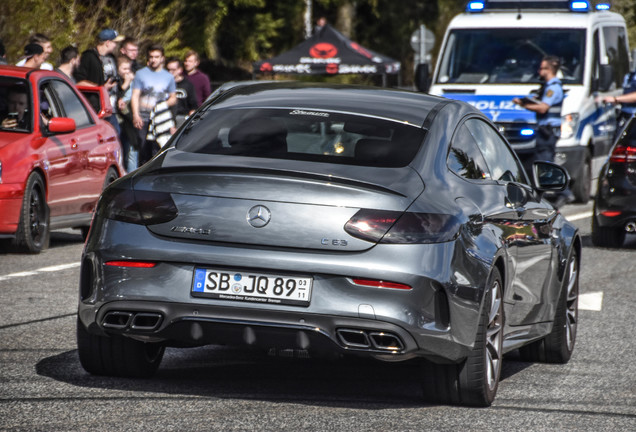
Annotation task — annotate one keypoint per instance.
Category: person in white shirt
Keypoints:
(45, 42)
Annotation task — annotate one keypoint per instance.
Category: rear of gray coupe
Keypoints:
(283, 225)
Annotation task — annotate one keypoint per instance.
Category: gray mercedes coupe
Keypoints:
(334, 220)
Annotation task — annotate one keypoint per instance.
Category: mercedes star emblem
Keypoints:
(259, 216)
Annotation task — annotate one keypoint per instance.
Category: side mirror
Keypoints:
(549, 176)
(61, 125)
(422, 77)
(606, 77)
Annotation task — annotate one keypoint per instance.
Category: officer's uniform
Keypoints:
(549, 124)
(627, 109)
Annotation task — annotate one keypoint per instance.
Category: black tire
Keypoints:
(581, 189)
(603, 236)
(117, 355)
(557, 347)
(111, 176)
(33, 233)
(473, 382)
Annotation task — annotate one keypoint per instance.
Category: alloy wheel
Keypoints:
(494, 334)
(571, 305)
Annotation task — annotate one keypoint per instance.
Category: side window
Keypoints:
(464, 157)
(49, 106)
(616, 51)
(499, 158)
(596, 61)
(71, 104)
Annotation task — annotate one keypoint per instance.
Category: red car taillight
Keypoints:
(138, 207)
(623, 154)
(397, 227)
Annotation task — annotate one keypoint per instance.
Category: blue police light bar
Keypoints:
(603, 6)
(580, 6)
(475, 6)
(527, 132)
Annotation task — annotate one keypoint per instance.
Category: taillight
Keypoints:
(397, 227)
(138, 207)
(380, 284)
(131, 264)
(611, 213)
(623, 154)
(371, 225)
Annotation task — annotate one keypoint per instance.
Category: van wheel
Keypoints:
(582, 188)
(33, 229)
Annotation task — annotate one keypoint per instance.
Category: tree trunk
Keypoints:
(346, 16)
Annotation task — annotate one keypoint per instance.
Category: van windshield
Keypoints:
(510, 56)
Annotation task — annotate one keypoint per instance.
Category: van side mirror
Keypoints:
(422, 77)
(606, 77)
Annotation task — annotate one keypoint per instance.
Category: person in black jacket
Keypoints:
(91, 69)
(186, 94)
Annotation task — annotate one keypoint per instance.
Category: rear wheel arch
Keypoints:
(501, 266)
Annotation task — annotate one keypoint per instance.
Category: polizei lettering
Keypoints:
(489, 105)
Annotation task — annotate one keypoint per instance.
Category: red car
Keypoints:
(56, 155)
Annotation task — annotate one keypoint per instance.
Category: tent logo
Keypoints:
(323, 50)
(266, 67)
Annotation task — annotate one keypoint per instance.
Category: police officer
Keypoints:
(547, 107)
(627, 100)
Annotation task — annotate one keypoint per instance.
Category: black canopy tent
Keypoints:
(329, 52)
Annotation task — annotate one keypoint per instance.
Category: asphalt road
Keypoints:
(44, 388)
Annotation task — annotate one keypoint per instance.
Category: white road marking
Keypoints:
(591, 301)
(579, 216)
(40, 270)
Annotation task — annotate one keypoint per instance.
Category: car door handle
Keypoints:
(100, 139)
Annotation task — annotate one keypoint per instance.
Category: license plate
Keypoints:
(252, 287)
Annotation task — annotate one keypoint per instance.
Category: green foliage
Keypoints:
(234, 33)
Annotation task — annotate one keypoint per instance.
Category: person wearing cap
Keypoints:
(90, 70)
(33, 57)
(45, 42)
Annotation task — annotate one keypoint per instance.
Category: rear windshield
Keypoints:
(15, 105)
(302, 134)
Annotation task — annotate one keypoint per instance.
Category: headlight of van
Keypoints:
(569, 124)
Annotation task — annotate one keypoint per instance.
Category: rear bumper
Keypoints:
(436, 319)
(616, 194)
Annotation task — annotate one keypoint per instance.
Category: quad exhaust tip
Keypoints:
(124, 320)
(370, 340)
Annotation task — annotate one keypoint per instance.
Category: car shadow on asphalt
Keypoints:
(236, 373)
(57, 239)
(628, 244)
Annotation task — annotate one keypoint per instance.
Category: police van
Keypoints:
(491, 54)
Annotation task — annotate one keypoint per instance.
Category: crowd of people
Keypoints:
(149, 102)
